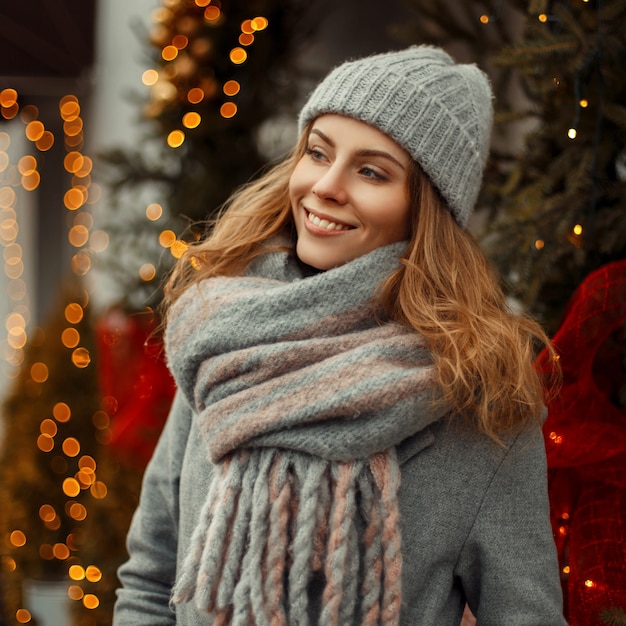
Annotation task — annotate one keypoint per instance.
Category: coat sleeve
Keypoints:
(148, 575)
(508, 566)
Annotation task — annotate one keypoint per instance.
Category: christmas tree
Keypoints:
(554, 205)
(223, 79)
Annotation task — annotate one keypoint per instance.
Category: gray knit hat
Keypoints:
(439, 111)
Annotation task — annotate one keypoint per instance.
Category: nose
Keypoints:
(331, 186)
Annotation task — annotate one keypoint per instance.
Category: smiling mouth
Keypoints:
(324, 223)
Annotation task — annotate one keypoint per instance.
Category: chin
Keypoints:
(320, 260)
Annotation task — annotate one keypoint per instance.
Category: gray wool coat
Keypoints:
(474, 518)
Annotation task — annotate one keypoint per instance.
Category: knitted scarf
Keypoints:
(301, 397)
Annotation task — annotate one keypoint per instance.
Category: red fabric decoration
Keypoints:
(585, 435)
(137, 388)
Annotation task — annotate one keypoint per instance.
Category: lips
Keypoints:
(325, 223)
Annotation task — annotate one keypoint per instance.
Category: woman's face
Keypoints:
(349, 192)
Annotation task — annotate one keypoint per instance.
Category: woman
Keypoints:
(356, 437)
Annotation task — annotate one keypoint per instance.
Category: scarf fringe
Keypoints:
(274, 519)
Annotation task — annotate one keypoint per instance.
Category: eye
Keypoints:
(315, 154)
(369, 172)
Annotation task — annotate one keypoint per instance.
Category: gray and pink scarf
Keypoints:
(301, 395)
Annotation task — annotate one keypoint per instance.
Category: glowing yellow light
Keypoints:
(78, 235)
(202, 3)
(15, 320)
(238, 55)
(81, 357)
(178, 248)
(31, 181)
(571, 133)
(73, 199)
(154, 211)
(74, 313)
(61, 412)
(245, 39)
(212, 13)
(45, 142)
(73, 161)
(69, 108)
(17, 538)
(71, 447)
(180, 41)
(175, 139)
(484, 19)
(78, 512)
(260, 23)
(76, 572)
(191, 119)
(149, 77)
(169, 53)
(75, 592)
(34, 130)
(8, 97)
(61, 551)
(228, 109)
(147, 272)
(47, 512)
(7, 197)
(45, 443)
(71, 487)
(84, 478)
(81, 263)
(195, 95)
(91, 601)
(231, 87)
(48, 427)
(73, 127)
(542, 17)
(583, 103)
(577, 230)
(39, 372)
(246, 27)
(99, 240)
(70, 337)
(22, 616)
(87, 464)
(566, 569)
(93, 574)
(10, 112)
(590, 584)
(27, 164)
(167, 238)
(98, 490)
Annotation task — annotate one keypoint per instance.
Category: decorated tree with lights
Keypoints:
(222, 81)
(555, 206)
(556, 201)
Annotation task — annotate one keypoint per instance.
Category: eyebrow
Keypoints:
(362, 153)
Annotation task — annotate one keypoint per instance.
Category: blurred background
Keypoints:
(124, 124)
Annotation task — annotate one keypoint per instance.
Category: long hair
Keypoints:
(445, 289)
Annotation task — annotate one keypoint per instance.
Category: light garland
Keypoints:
(81, 192)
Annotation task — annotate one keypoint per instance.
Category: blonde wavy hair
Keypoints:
(445, 289)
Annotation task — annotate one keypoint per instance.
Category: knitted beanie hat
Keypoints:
(439, 111)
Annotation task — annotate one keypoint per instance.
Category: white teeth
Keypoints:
(325, 223)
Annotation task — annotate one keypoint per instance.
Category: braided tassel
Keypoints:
(186, 585)
(342, 516)
(276, 558)
(387, 475)
(305, 536)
